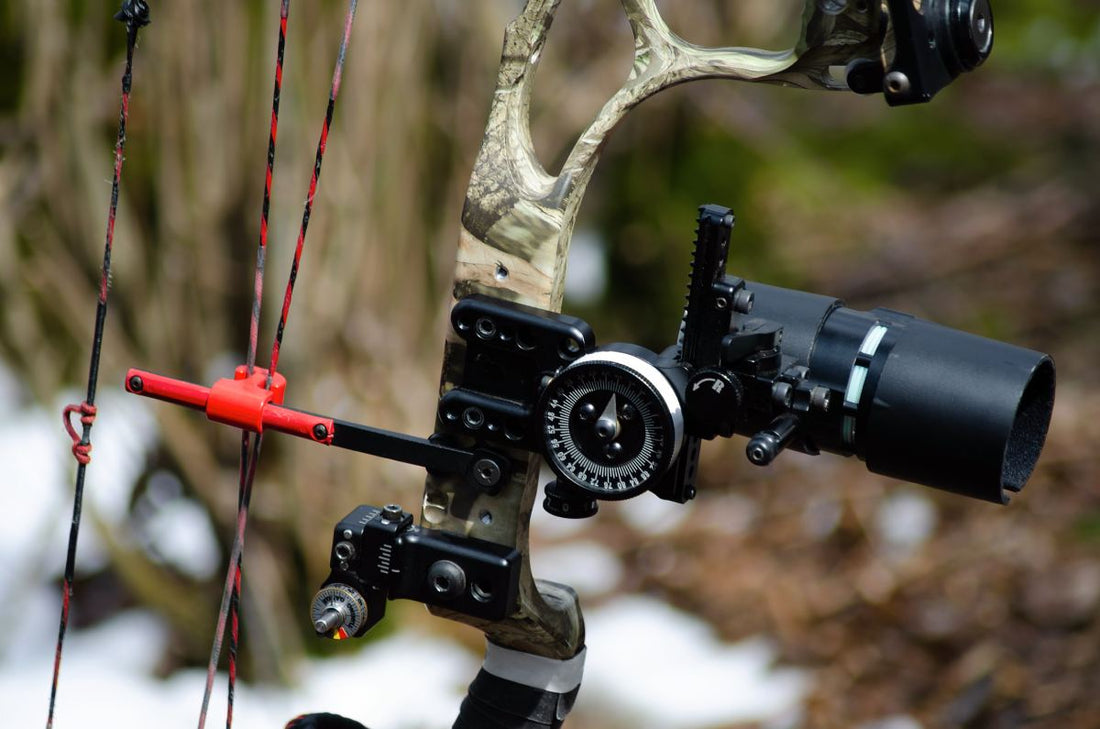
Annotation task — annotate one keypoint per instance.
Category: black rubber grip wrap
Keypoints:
(517, 690)
(497, 703)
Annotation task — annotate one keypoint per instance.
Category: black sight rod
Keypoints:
(400, 447)
(917, 401)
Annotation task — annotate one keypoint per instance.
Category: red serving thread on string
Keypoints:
(66, 595)
(234, 638)
(261, 251)
(82, 449)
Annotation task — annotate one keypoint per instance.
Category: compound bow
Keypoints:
(521, 382)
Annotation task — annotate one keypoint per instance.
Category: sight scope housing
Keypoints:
(917, 401)
(792, 370)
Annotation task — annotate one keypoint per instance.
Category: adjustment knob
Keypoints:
(338, 611)
(766, 445)
(611, 423)
(568, 503)
(972, 28)
(712, 402)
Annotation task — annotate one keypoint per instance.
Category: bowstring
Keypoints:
(244, 488)
(322, 143)
(231, 592)
(136, 15)
(228, 610)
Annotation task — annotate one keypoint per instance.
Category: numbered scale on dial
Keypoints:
(611, 424)
(338, 611)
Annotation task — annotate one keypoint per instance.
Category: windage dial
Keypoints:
(612, 424)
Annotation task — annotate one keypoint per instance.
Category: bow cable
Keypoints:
(231, 592)
(244, 490)
(135, 14)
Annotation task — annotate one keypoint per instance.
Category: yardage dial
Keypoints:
(611, 424)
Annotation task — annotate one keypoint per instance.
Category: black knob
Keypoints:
(712, 402)
(568, 503)
(865, 76)
(763, 448)
(770, 442)
(972, 28)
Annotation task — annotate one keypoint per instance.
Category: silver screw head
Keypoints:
(446, 578)
(821, 397)
(344, 551)
(331, 619)
(743, 301)
(781, 393)
(896, 83)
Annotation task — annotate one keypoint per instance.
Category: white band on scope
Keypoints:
(857, 380)
(545, 674)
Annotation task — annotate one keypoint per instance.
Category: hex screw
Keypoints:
(821, 397)
(344, 551)
(897, 83)
(320, 432)
(781, 394)
(485, 328)
(473, 418)
(743, 301)
(447, 579)
(487, 472)
(136, 384)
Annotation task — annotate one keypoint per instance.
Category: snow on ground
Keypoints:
(649, 666)
(403, 682)
(588, 567)
(905, 521)
(654, 667)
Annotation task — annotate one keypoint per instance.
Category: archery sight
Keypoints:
(789, 369)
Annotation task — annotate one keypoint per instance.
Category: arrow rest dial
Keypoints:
(611, 423)
(338, 611)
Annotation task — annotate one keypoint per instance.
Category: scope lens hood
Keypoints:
(956, 411)
(915, 400)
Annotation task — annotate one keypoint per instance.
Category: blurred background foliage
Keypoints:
(980, 211)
